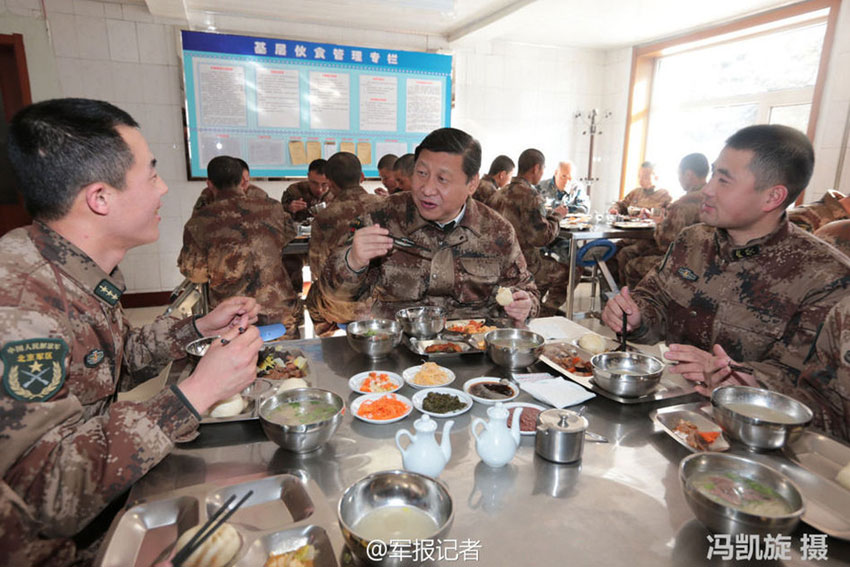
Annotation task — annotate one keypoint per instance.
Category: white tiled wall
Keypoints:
(509, 96)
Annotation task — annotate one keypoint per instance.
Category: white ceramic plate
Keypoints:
(419, 398)
(355, 407)
(487, 401)
(356, 381)
(410, 373)
(668, 418)
(510, 405)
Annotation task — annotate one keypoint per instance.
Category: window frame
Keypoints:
(644, 64)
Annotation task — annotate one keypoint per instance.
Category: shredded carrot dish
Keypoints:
(378, 382)
(473, 327)
(385, 407)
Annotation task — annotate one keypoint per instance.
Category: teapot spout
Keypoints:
(515, 427)
(446, 441)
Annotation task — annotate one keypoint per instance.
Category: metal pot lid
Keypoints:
(563, 420)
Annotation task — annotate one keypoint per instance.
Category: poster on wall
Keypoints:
(279, 104)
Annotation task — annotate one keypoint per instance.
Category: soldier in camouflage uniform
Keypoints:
(89, 181)
(207, 196)
(235, 244)
(385, 171)
(461, 251)
(522, 206)
(636, 260)
(403, 172)
(297, 200)
(824, 385)
(836, 233)
(746, 286)
(499, 175)
(645, 196)
(331, 229)
(831, 207)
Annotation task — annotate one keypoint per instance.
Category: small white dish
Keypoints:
(419, 399)
(510, 405)
(489, 401)
(355, 407)
(356, 381)
(410, 373)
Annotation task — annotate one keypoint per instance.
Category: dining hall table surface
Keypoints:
(621, 504)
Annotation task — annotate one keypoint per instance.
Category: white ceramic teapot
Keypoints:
(496, 444)
(422, 454)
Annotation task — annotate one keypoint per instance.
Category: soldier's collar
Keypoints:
(754, 247)
(469, 217)
(77, 264)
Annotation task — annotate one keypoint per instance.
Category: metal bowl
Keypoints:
(761, 419)
(422, 322)
(514, 348)
(300, 438)
(727, 519)
(375, 338)
(393, 489)
(198, 348)
(626, 374)
(314, 209)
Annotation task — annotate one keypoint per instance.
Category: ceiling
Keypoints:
(602, 24)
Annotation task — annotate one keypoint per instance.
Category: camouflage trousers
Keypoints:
(326, 312)
(641, 255)
(552, 279)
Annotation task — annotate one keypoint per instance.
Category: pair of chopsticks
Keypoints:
(402, 242)
(212, 524)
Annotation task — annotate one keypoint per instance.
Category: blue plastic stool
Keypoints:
(593, 255)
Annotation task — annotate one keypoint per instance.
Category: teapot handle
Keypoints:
(475, 422)
(398, 435)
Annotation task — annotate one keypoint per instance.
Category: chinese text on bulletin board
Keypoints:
(279, 104)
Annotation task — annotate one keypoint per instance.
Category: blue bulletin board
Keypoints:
(278, 104)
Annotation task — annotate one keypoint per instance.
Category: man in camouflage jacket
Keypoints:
(89, 181)
(207, 196)
(522, 206)
(499, 175)
(831, 207)
(747, 286)
(457, 253)
(636, 260)
(331, 230)
(235, 244)
(645, 195)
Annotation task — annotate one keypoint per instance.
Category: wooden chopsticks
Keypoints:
(212, 524)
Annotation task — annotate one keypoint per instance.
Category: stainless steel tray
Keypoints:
(668, 418)
(819, 454)
(253, 395)
(671, 386)
(418, 346)
(285, 512)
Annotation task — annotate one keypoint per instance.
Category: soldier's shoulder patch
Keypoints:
(94, 357)
(34, 369)
(688, 274)
(108, 292)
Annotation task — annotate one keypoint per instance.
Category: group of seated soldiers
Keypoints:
(746, 286)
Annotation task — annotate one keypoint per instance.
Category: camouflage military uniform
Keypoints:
(836, 233)
(301, 190)
(814, 215)
(487, 189)
(636, 260)
(207, 196)
(68, 450)
(522, 206)
(461, 270)
(574, 198)
(235, 242)
(644, 198)
(331, 228)
(825, 382)
(762, 302)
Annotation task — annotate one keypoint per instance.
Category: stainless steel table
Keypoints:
(597, 231)
(621, 505)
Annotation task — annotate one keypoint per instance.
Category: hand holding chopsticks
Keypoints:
(212, 524)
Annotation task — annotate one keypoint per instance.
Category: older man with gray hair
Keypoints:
(562, 189)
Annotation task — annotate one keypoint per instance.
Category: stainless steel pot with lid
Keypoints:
(560, 435)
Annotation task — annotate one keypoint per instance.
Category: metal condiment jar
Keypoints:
(560, 435)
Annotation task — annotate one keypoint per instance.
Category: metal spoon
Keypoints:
(589, 435)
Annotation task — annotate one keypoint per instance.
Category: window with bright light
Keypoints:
(701, 96)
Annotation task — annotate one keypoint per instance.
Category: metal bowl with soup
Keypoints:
(761, 419)
(303, 419)
(514, 348)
